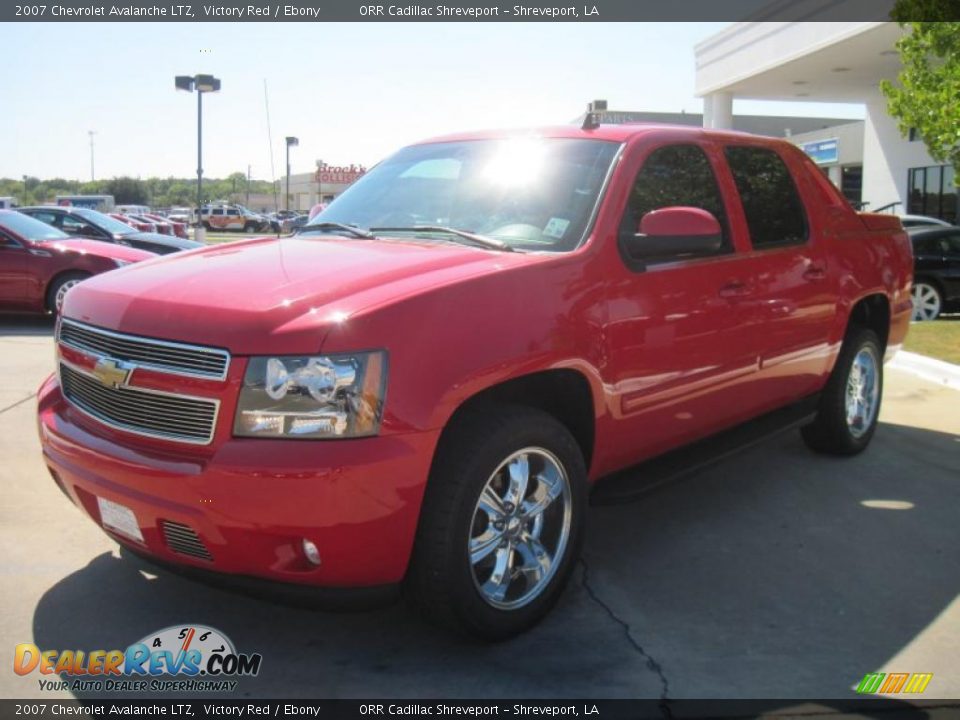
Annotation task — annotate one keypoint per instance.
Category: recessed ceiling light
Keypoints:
(840, 69)
(800, 82)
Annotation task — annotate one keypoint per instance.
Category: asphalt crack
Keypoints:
(18, 403)
(652, 664)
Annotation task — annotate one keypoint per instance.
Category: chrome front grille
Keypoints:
(184, 541)
(150, 353)
(143, 412)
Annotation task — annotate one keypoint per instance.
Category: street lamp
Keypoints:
(202, 84)
(291, 141)
(91, 133)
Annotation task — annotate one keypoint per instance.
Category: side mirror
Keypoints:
(672, 232)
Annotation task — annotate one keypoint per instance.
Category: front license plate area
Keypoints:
(120, 519)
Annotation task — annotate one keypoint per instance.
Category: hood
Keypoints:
(271, 295)
(85, 246)
(171, 241)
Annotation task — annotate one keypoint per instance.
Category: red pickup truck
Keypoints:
(421, 386)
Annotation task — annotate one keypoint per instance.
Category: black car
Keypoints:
(82, 222)
(936, 271)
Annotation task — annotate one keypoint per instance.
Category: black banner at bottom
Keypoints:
(600, 709)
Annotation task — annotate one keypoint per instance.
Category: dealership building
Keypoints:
(321, 185)
(874, 165)
(841, 62)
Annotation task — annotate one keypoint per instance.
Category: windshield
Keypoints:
(530, 193)
(104, 222)
(30, 228)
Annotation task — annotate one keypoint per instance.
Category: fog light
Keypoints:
(310, 550)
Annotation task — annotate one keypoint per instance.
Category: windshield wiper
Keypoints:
(487, 242)
(355, 231)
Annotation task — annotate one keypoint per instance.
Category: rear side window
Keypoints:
(926, 246)
(951, 244)
(770, 200)
(676, 175)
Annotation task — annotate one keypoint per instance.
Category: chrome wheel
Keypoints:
(926, 302)
(520, 528)
(863, 392)
(62, 293)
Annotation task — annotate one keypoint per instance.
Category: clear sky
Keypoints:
(352, 93)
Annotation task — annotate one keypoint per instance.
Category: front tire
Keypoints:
(59, 287)
(501, 524)
(850, 403)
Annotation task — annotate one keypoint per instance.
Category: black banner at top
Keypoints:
(448, 11)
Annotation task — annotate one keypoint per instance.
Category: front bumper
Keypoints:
(251, 502)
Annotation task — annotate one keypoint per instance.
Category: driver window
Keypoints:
(71, 225)
(676, 175)
(8, 242)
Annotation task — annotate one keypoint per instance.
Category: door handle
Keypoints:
(735, 289)
(814, 273)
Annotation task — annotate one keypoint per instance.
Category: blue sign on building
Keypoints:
(823, 151)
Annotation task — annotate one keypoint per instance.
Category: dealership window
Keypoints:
(851, 183)
(770, 199)
(930, 191)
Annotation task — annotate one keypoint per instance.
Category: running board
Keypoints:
(627, 485)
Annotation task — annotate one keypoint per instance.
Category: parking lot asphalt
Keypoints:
(774, 573)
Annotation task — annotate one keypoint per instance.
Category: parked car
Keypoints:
(233, 217)
(912, 221)
(97, 226)
(132, 209)
(176, 228)
(936, 271)
(139, 225)
(421, 385)
(181, 215)
(39, 264)
(161, 225)
(286, 220)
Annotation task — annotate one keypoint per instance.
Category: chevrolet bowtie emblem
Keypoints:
(112, 373)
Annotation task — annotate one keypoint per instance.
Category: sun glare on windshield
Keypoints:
(517, 162)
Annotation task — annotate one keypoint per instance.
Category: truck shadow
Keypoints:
(774, 573)
(26, 325)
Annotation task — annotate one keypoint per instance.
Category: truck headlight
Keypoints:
(326, 396)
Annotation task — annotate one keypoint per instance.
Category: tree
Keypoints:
(127, 191)
(925, 97)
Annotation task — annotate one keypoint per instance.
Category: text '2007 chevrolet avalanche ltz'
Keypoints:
(420, 387)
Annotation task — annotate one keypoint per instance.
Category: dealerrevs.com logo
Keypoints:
(180, 658)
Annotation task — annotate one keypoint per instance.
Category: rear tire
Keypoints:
(850, 404)
(487, 562)
(59, 287)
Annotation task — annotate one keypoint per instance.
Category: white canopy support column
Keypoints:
(718, 111)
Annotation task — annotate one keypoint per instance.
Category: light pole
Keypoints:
(291, 141)
(91, 133)
(202, 84)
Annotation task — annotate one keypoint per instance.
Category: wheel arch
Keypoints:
(872, 312)
(564, 393)
(937, 283)
(84, 274)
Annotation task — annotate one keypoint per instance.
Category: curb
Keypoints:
(938, 371)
